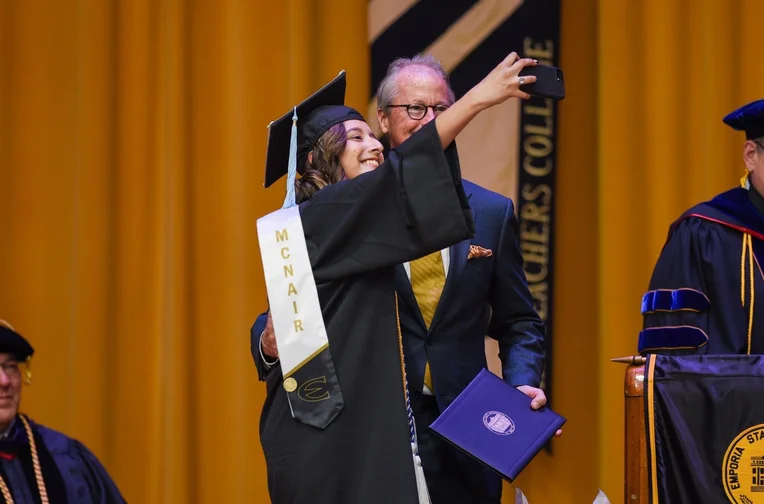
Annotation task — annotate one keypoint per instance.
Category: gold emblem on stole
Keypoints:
(314, 390)
(290, 384)
(743, 467)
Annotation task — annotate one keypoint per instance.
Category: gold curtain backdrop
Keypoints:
(132, 139)
(668, 73)
(131, 165)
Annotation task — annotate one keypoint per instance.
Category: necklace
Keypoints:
(35, 463)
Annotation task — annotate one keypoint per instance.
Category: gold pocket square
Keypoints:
(477, 251)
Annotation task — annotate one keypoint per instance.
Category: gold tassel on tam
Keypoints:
(26, 369)
(744, 183)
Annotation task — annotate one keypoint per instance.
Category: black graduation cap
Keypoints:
(748, 118)
(292, 136)
(13, 342)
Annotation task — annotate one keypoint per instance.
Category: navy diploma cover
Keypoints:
(493, 422)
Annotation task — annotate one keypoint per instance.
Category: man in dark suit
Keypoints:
(450, 300)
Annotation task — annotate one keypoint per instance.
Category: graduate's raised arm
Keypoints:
(497, 87)
(414, 203)
(411, 205)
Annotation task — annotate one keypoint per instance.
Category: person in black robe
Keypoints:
(38, 464)
(706, 294)
(356, 231)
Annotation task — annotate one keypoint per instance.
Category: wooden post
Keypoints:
(636, 444)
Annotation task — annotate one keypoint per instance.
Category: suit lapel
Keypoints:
(457, 262)
(406, 293)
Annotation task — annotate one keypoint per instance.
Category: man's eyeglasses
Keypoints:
(11, 369)
(417, 111)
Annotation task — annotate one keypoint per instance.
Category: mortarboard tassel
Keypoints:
(289, 201)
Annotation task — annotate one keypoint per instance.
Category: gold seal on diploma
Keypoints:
(290, 384)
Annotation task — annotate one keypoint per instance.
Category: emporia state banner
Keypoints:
(509, 149)
(705, 428)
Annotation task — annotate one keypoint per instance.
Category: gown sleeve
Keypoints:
(690, 288)
(102, 488)
(411, 205)
(263, 368)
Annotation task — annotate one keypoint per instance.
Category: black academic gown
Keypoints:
(356, 232)
(706, 295)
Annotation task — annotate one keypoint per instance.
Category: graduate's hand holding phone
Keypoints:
(504, 81)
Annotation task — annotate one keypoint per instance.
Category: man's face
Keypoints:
(753, 156)
(10, 389)
(414, 85)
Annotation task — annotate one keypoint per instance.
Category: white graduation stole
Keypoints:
(309, 377)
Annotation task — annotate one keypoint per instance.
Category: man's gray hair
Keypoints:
(387, 88)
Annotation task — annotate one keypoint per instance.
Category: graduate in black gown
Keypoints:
(38, 464)
(358, 224)
(706, 295)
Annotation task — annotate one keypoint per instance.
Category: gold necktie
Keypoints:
(427, 280)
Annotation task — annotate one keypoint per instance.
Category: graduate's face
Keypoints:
(753, 156)
(363, 152)
(415, 84)
(10, 389)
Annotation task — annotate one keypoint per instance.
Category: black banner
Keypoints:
(537, 169)
(705, 428)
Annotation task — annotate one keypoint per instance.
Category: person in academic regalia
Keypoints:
(38, 464)
(706, 295)
(359, 220)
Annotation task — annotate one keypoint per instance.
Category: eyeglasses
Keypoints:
(759, 144)
(11, 369)
(417, 111)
